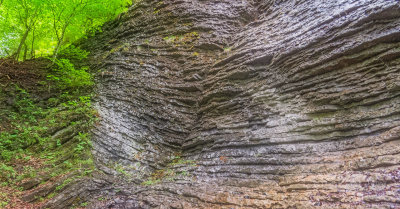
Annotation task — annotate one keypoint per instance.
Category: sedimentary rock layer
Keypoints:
(250, 104)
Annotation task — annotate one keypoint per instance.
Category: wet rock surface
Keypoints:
(248, 104)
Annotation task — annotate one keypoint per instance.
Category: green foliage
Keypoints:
(4, 199)
(24, 134)
(121, 170)
(83, 142)
(32, 135)
(183, 39)
(32, 28)
(169, 174)
(177, 160)
(3, 203)
(6, 172)
(31, 123)
(73, 53)
(28, 172)
(227, 49)
(65, 183)
(68, 77)
(151, 182)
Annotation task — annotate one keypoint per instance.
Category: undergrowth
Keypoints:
(54, 133)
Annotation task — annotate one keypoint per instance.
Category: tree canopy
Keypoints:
(31, 28)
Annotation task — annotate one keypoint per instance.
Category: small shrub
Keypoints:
(68, 77)
(6, 172)
(73, 53)
(83, 142)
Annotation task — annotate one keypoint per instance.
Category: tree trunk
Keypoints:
(59, 42)
(246, 104)
(21, 44)
(25, 51)
(55, 54)
(33, 44)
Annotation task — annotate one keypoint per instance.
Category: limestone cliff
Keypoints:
(247, 104)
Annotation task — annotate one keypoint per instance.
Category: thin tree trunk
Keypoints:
(21, 44)
(56, 50)
(59, 42)
(25, 51)
(33, 46)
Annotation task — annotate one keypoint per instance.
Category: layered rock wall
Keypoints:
(250, 104)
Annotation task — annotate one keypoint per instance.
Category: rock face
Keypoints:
(249, 104)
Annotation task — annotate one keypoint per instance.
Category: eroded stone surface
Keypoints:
(249, 104)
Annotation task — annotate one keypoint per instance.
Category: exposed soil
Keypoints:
(25, 74)
(12, 195)
(29, 75)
